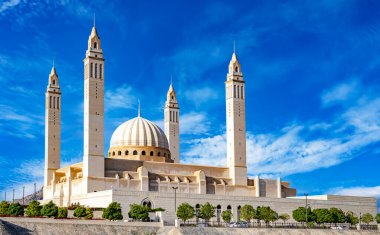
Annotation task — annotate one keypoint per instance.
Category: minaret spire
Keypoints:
(139, 111)
(234, 47)
(94, 21)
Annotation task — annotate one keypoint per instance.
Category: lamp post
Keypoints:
(23, 195)
(13, 196)
(175, 199)
(306, 194)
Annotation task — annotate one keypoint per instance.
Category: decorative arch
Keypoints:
(218, 213)
(236, 69)
(238, 213)
(151, 153)
(119, 153)
(135, 152)
(147, 202)
(113, 153)
(197, 211)
(143, 153)
(126, 152)
(95, 45)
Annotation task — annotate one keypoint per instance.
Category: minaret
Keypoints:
(235, 117)
(171, 119)
(52, 127)
(93, 159)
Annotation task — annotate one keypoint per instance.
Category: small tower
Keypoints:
(93, 159)
(52, 127)
(235, 118)
(171, 119)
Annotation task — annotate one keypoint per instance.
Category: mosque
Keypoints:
(144, 166)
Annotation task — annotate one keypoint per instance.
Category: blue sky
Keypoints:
(311, 69)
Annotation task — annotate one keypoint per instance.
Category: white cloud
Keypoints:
(357, 191)
(120, 98)
(194, 123)
(8, 4)
(340, 93)
(291, 150)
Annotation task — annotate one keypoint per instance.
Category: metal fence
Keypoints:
(339, 226)
(22, 195)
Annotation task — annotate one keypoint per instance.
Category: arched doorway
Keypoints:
(238, 213)
(197, 211)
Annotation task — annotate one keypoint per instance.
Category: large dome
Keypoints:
(139, 132)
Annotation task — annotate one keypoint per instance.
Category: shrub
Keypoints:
(49, 210)
(185, 212)
(113, 212)
(322, 215)
(33, 209)
(284, 217)
(378, 218)
(247, 213)
(16, 209)
(157, 209)
(62, 213)
(367, 218)
(138, 212)
(351, 218)
(4, 205)
(299, 214)
(337, 215)
(266, 214)
(207, 211)
(227, 216)
(83, 212)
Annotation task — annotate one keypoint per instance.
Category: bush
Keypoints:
(4, 205)
(337, 215)
(16, 209)
(284, 217)
(322, 215)
(62, 213)
(227, 216)
(299, 214)
(378, 218)
(138, 212)
(49, 210)
(247, 213)
(266, 214)
(157, 209)
(367, 218)
(351, 218)
(83, 212)
(113, 212)
(34, 209)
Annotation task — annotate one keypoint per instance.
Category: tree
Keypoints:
(49, 209)
(322, 215)
(378, 218)
(16, 209)
(207, 211)
(227, 216)
(89, 213)
(284, 217)
(351, 218)
(4, 205)
(299, 214)
(247, 213)
(367, 218)
(62, 213)
(266, 214)
(337, 215)
(33, 209)
(138, 212)
(185, 212)
(113, 212)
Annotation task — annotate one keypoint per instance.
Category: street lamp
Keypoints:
(175, 199)
(306, 194)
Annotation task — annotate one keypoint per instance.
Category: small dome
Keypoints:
(139, 132)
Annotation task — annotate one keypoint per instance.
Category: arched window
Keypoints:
(170, 115)
(229, 208)
(53, 102)
(49, 101)
(95, 45)
(238, 213)
(135, 152)
(100, 70)
(143, 153)
(172, 97)
(159, 154)
(126, 152)
(96, 70)
(151, 153)
(57, 102)
(218, 213)
(234, 91)
(53, 81)
(91, 69)
(164, 154)
(119, 153)
(242, 91)
(113, 153)
(197, 211)
(236, 69)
